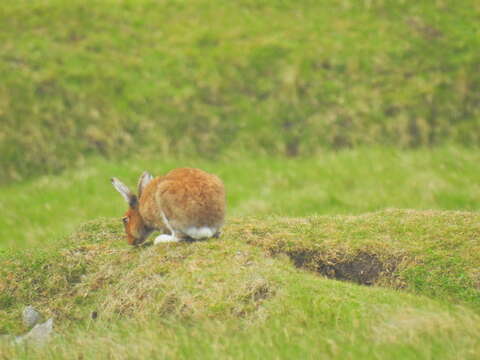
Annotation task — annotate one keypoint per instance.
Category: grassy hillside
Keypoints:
(326, 120)
(111, 78)
(347, 182)
(247, 295)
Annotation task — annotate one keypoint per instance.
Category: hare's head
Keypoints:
(133, 222)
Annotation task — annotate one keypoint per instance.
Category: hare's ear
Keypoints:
(145, 178)
(123, 189)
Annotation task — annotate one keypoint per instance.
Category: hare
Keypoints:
(186, 203)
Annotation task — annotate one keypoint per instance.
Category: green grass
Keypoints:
(235, 298)
(427, 252)
(269, 287)
(345, 132)
(111, 78)
(346, 182)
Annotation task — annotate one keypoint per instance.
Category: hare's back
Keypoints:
(192, 198)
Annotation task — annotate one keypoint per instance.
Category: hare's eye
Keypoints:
(125, 220)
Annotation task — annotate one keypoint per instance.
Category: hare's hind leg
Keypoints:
(164, 238)
(176, 236)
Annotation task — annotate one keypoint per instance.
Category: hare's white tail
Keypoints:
(198, 233)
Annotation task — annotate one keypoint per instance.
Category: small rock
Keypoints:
(39, 335)
(31, 317)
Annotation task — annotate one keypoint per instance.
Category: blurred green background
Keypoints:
(325, 106)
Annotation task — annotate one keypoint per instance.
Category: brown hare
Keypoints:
(186, 203)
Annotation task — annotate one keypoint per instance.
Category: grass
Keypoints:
(242, 296)
(348, 182)
(427, 252)
(110, 78)
(269, 287)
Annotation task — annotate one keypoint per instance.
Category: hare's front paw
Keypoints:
(164, 238)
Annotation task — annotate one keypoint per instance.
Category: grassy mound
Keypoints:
(428, 252)
(243, 295)
(208, 76)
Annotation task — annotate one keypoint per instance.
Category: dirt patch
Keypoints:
(363, 268)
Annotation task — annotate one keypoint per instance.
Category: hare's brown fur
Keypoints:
(188, 197)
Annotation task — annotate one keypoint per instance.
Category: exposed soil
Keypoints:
(364, 268)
